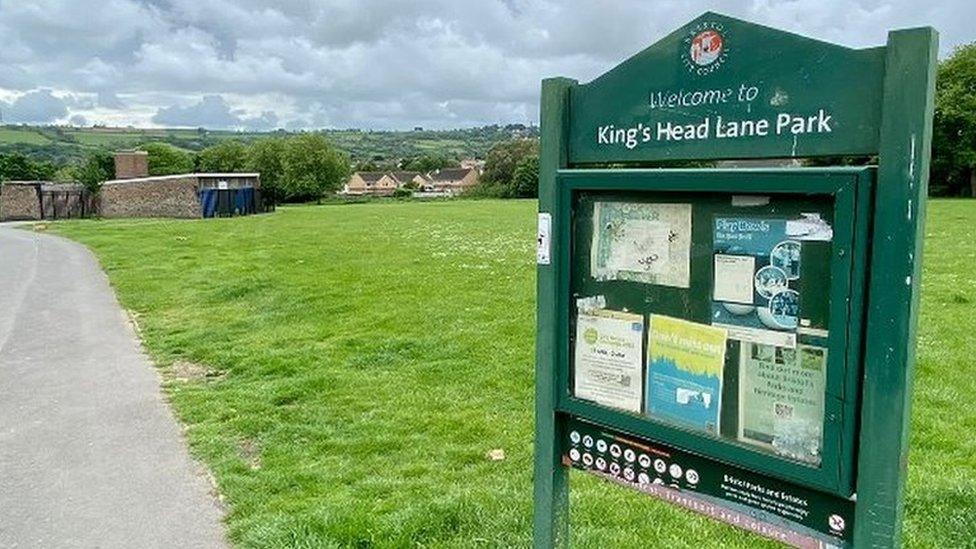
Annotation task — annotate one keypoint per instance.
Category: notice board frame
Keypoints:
(850, 191)
(900, 133)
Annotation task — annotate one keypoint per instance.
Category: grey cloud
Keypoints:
(374, 63)
(267, 120)
(212, 111)
(109, 100)
(35, 107)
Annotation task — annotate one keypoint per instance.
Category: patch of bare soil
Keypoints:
(184, 371)
(251, 452)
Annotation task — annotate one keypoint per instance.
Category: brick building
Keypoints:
(371, 183)
(168, 195)
(131, 164)
(451, 181)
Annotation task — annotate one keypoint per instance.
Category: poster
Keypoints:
(684, 373)
(608, 365)
(781, 399)
(647, 243)
(733, 278)
(756, 275)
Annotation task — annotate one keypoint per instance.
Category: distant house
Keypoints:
(405, 178)
(475, 163)
(370, 183)
(451, 180)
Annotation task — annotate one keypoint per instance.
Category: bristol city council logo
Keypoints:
(704, 48)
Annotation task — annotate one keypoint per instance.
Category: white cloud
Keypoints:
(369, 63)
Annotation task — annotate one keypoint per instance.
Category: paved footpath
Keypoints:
(90, 454)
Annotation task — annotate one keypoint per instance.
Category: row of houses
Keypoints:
(444, 182)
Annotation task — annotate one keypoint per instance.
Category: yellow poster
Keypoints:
(684, 376)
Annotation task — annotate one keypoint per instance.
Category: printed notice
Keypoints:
(647, 243)
(684, 376)
(781, 399)
(608, 364)
(733, 278)
(640, 247)
(757, 300)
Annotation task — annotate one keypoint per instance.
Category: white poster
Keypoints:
(641, 244)
(781, 399)
(608, 362)
(734, 278)
(649, 243)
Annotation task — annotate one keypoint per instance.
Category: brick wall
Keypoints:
(165, 196)
(131, 164)
(19, 201)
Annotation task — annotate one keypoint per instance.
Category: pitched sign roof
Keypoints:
(724, 88)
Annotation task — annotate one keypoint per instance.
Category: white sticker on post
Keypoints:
(544, 239)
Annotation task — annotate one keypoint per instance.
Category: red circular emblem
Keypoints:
(706, 47)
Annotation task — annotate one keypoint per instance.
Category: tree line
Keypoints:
(296, 168)
(293, 168)
(953, 170)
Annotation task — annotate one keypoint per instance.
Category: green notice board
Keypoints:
(731, 340)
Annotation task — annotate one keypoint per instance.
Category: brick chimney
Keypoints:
(131, 164)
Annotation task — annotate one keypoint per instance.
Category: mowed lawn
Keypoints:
(343, 371)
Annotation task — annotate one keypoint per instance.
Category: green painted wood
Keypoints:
(880, 100)
(551, 485)
(791, 74)
(906, 134)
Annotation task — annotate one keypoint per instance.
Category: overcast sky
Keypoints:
(376, 64)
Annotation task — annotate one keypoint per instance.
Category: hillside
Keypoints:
(66, 144)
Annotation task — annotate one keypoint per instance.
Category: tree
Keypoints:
(17, 167)
(226, 156)
(97, 168)
(426, 163)
(266, 156)
(503, 157)
(954, 132)
(525, 180)
(312, 167)
(167, 160)
(501, 164)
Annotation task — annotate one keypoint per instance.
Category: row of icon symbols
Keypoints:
(660, 466)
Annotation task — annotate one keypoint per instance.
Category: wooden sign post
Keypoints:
(739, 342)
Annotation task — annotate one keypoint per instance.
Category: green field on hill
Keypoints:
(70, 144)
(344, 370)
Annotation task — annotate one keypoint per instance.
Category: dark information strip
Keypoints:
(769, 507)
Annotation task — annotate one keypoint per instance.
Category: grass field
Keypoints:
(29, 136)
(343, 370)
